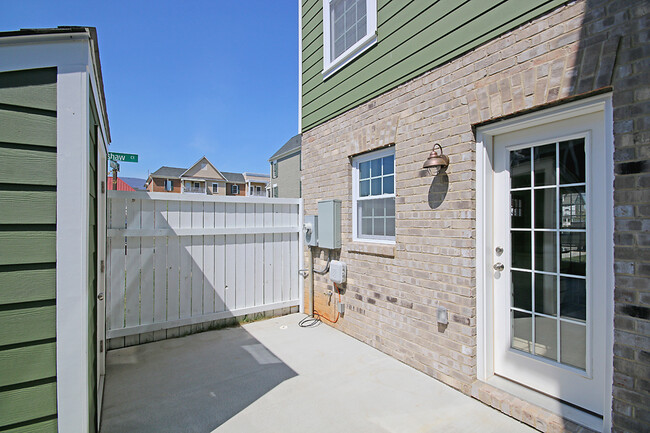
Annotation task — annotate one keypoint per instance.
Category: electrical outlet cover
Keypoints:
(338, 272)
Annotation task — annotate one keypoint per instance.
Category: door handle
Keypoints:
(100, 296)
(498, 266)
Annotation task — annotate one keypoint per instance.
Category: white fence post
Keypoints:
(177, 260)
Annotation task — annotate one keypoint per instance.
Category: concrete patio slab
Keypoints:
(275, 376)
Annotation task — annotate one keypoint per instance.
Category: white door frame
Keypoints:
(484, 294)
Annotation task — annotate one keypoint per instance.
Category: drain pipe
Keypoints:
(310, 270)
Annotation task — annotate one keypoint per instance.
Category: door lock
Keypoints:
(498, 266)
(498, 250)
(100, 296)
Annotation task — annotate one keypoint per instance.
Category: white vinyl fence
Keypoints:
(177, 260)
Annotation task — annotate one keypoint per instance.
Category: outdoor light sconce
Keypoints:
(436, 161)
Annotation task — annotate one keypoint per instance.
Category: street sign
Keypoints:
(115, 166)
(123, 157)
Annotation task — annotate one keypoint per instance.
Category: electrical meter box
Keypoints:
(338, 272)
(329, 224)
(311, 230)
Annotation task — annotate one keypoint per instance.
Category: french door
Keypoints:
(549, 258)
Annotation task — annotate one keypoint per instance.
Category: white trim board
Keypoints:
(200, 197)
(484, 223)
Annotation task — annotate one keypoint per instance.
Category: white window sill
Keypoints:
(352, 53)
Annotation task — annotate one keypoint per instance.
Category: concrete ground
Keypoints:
(275, 376)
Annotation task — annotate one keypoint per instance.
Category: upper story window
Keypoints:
(234, 189)
(274, 171)
(169, 185)
(349, 28)
(373, 196)
(215, 188)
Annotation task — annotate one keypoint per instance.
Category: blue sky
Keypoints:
(188, 78)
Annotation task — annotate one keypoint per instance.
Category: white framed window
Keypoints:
(215, 188)
(373, 196)
(349, 28)
(275, 191)
(169, 185)
(234, 189)
(275, 169)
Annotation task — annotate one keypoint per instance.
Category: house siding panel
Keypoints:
(28, 254)
(412, 38)
(576, 50)
(242, 188)
(288, 180)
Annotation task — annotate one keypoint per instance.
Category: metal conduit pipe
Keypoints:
(310, 280)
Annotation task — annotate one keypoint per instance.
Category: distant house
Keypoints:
(165, 179)
(286, 167)
(256, 184)
(204, 178)
(235, 183)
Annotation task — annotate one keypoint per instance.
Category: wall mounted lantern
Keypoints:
(436, 161)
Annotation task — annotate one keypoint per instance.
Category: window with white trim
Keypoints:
(234, 189)
(373, 196)
(169, 185)
(349, 28)
(215, 188)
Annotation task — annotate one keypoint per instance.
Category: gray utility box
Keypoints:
(329, 224)
(311, 230)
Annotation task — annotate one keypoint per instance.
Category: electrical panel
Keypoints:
(338, 272)
(329, 224)
(311, 230)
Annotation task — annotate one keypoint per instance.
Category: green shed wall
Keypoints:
(412, 37)
(28, 250)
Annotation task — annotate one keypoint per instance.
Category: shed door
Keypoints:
(101, 272)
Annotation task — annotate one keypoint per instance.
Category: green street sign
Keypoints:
(122, 157)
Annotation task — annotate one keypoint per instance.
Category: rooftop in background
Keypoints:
(165, 171)
(233, 177)
(136, 183)
(289, 147)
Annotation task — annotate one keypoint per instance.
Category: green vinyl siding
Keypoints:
(28, 253)
(412, 38)
(92, 266)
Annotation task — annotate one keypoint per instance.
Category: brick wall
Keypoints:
(392, 293)
(158, 185)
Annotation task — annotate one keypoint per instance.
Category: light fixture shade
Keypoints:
(435, 160)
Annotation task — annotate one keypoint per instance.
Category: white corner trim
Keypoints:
(72, 249)
(330, 66)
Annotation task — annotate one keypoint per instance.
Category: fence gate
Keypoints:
(186, 259)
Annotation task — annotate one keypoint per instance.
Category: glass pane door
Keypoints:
(548, 278)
